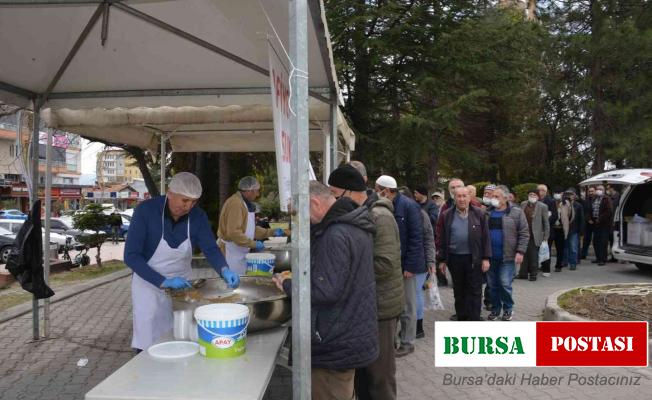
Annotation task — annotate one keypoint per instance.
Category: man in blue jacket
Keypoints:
(413, 261)
(342, 292)
(162, 233)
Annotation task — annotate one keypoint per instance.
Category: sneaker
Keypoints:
(453, 317)
(601, 264)
(545, 274)
(507, 316)
(573, 267)
(557, 269)
(533, 278)
(521, 277)
(404, 351)
(493, 316)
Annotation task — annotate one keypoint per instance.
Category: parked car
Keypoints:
(633, 216)
(12, 214)
(13, 226)
(6, 243)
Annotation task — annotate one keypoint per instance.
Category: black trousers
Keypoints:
(545, 266)
(586, 242)
(558, 238)
(467, 287)
(530, 263)
(600, 243)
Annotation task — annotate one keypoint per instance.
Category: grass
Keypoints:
(565, 298)
(14, 295)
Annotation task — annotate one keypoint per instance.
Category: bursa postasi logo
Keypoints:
(530, 344)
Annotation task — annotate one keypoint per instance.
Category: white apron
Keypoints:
(152, 308)
(235, 255)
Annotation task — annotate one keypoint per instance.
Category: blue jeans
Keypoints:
(499, 279)
(421, 279)
(571, 249)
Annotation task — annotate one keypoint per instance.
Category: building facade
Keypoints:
(116, 166)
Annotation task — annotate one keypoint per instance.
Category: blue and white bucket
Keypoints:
(260, 264)
(222, 330)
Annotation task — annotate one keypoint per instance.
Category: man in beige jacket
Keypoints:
(237, 231)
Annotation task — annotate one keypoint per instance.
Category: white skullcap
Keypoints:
(386, 181)
(248, 183)
(185, 184)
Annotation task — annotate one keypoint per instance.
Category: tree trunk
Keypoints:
(139, 155)
(433, 163)
(224, 178)
(598, 117)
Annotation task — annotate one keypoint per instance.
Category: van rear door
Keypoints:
(621, 177)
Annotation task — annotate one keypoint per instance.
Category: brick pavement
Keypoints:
(97, 325)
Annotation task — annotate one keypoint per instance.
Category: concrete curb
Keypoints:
(62, 294)
(552, 311)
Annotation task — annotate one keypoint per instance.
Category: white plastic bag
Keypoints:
(544, 252)
(431, 298)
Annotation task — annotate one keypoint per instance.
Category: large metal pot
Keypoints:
(268, 306)
(283, 257)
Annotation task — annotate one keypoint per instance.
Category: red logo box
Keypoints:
(592, 344)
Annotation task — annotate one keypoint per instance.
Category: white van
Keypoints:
(633, 217)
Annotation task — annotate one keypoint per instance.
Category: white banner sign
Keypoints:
(279, 75)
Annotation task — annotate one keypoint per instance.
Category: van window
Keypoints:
(639, 201)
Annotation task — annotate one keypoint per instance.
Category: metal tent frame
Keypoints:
(299, 36)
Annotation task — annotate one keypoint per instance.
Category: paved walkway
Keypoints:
(96, 325)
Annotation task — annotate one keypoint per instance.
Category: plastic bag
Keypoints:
(431, 298)
(544, 252)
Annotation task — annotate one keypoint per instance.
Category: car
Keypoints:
(633, 216)
(14, 226)
(12, 214)
(6, 243)
(124, 228)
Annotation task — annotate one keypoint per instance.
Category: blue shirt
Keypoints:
(145, 234)
(496, 233)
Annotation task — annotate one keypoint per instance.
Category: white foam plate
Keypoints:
(277, 240)
(172, 350)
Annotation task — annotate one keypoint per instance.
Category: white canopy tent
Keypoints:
(195, 71)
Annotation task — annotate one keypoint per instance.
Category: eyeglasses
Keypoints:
(342, 195)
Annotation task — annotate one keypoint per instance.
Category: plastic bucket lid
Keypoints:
(221, 312)
(171, 350)
(260, 257)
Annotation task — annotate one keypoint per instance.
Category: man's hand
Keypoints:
(278, 280)
(407, 274)
(518, 260)
(442, 267)
(485, 265)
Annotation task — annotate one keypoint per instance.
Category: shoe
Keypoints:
(404, 351)
(533, 278)
(493, 316)
(601, 264)
(420, 333)
(453, 317)
(613, 260)
(573, 267)
(557, 269)
(507, 316)
(545, 274)
(521, 277)
(594, 261)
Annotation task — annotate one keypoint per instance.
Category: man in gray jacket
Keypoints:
(536, 214)
(509, 234)
(377, 380)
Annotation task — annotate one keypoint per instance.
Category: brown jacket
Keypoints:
(233, 224)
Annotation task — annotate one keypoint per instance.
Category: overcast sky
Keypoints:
(89, 155)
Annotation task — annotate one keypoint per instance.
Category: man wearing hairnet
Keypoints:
(237, 230)
(162, 234)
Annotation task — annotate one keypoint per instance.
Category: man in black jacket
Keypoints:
(427, 205)
(589, 223)
(552, 218)
(342, 290)
(465, 248)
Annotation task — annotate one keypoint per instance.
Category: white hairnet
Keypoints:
(248, 183)
(185, 184)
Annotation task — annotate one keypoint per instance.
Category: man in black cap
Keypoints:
(378, 380)
(427, 205)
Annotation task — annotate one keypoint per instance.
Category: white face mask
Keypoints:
(486, 201)
(599, 193)
(557, 196)
(532, 199)
(495, 202)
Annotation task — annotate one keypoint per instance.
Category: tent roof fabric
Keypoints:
(141, 64)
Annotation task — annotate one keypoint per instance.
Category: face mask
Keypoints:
(495, 202)
(557, 196)
(532, 199)
(599, 193)
(486, 201)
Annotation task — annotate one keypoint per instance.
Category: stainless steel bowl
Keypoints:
(283, 257)
(268, 306)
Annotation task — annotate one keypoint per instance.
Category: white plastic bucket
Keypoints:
(260, 264)
(222, 330)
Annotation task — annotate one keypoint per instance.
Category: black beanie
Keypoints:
(348, 178)
(422, 190)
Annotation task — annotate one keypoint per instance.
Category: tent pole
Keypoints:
(301, 373)
(162, 158)
(333, 133)
(33, 199)
(46, 242)
(326, 155)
